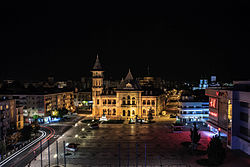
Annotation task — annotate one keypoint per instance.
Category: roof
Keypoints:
(129, 76)
(129, 83)
(97, 65)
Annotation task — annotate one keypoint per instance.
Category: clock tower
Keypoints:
(97, 86)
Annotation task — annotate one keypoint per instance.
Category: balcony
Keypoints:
(128, 105)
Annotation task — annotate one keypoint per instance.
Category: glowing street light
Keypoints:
(83, 129)
(76, 136)
(55, 155)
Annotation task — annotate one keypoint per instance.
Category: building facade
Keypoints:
(229, 114)
(42, 104)
(11, 117)
(126, 101)
(193, 112)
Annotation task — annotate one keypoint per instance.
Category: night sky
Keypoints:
(180, 40)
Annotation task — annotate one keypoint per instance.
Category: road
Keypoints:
(50, 133)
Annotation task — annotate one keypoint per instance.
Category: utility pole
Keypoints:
(145, 154)
(57, 161)
(128, 154)
(64, 153)
(136, 155)
(48, 154)
(119, 158)
(41, 149)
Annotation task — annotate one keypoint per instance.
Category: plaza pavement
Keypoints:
(101, 147)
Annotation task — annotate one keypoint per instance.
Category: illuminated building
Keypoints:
(193, 112)
(229, 113)
(193, 106)
(11, 117)
(42, 103)
(82, 99)
(127, 100)
(203, 84)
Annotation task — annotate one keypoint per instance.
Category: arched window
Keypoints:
(109, 113)
(153, 102)
(144, 112)
(148, 102)
(114, 112)
(124, 113)
(144, 102)
(128, 113)
(128, 100)
(133, 101)
(133, 112)
(104, 111)
(123, 101)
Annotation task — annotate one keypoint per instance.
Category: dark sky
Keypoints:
(179, 40)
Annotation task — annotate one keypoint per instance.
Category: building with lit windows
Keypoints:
(11, 117)
(126, 101)
(229, 110)
(42, 103)
(193, 111)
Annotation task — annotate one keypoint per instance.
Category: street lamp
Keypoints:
(55, 155)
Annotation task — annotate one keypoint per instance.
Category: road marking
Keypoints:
(23, 149)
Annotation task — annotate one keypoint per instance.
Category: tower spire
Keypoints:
(148, 70)
(97, 65)
(129, 76)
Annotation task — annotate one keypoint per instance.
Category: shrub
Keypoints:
(216, 151)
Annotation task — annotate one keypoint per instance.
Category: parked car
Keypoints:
(71, 147)
(172, 116)
(94, 125)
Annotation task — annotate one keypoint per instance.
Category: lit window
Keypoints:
(7, 106)
(133, 101)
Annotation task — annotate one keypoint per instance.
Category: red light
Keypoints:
(218, 129)
(213, 114)
(212, 102)
(217, 93)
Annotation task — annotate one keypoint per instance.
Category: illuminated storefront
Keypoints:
(220, 113)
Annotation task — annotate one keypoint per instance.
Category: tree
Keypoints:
(35, 127)
(150, 115)
(62, 112)
(13, 138)
(195, 136)
(2, 148)
(26, 132)
(216, 151)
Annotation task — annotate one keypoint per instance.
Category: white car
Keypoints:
(71, 147)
